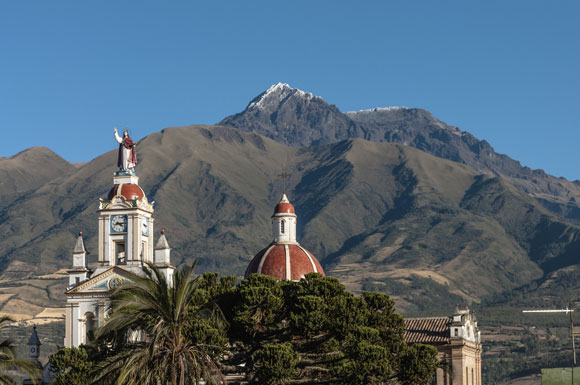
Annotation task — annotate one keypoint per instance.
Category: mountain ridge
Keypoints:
(421, 220)
(287, 116)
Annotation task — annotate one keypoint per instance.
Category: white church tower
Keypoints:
(125, 244)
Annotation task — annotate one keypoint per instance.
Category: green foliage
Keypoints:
(173, 336)
(419, 363)
(269, 332)
(337, 337)
(275, 364)
(72, 366)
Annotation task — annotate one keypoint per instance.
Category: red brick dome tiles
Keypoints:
(128, 191)
(284, 261)
(284, 208)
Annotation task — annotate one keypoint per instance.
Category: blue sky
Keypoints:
(506, 71)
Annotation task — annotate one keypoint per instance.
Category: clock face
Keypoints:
(145, 226)
(119, 223)
(114, 282)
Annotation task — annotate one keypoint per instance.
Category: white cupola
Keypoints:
(284, 222)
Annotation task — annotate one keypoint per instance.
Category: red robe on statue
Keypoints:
(129, 144)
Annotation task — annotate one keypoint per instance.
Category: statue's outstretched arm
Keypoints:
(117, 137)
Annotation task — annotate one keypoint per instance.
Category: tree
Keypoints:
(72, 366)
(9, 361)
(262, 330)
(314, 331)
(164, 332)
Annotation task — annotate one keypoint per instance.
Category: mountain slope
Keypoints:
(29, 170)
(297, 118)
(421, 222)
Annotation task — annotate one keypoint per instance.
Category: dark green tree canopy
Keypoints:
(260, 331)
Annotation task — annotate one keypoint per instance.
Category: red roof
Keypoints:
(129, 191)
(274, 260)
(434, 330)
(284, 208)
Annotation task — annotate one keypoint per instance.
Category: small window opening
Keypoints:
(282, 227)
(120, 253)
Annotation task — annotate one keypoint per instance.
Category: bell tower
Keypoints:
(125, 224)
(125, 243)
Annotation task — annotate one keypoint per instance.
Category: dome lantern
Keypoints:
(284, 258)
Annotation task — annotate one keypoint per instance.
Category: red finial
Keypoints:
(163, 231)
(80, 233)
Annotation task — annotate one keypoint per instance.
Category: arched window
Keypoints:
(282, 226)
(90, 325)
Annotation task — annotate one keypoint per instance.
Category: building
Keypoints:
(46, 376)
(125, 242)
(284, 258)
(456, 338)
(458, 342)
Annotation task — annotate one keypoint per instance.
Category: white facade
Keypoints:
(284, 224)
(125, 243)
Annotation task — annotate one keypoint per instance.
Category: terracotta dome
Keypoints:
(284, 261)
(284, 208)
(129, 191)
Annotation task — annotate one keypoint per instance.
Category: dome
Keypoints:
(129, 191)
(284, 261)
(284, 207)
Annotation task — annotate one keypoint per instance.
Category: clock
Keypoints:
(145, 226)
(115, 282)
(119, 223)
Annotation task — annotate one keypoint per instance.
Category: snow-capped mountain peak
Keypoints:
(276, 94)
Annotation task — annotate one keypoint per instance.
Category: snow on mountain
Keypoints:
(378, 109)
(275, 95)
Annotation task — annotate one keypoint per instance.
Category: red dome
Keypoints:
(130, 192)
(275, 259)
(284, 208)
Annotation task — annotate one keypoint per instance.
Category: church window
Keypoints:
(89, 326)
(120, 254)
(77, 280)
(456, 332)
(144, 251)
(282, 226)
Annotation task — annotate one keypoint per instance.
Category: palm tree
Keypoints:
(160, 313)
(9, 361)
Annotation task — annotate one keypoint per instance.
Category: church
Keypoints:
(126, 241)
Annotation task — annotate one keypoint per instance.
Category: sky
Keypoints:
(505, 71)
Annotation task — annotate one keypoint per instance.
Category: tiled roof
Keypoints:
(433, 330)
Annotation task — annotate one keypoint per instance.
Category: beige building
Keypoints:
(458, 342)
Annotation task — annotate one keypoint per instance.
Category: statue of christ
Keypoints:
(127, 159)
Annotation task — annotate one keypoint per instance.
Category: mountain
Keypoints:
(29, 170)
(423, 225)
(297, 118)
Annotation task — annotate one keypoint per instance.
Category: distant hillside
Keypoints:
(29, 170)
(297, 118)
(427, 230)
